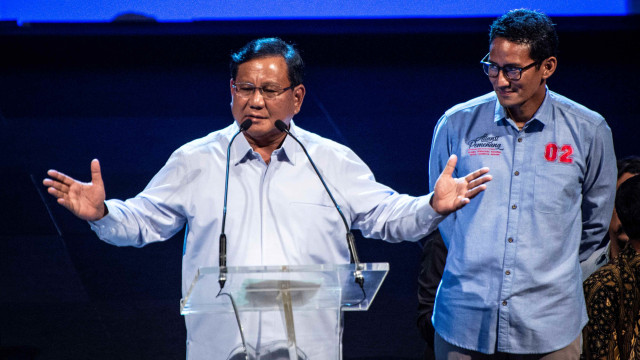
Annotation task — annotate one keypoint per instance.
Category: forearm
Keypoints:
(129, 224)
(400, 218)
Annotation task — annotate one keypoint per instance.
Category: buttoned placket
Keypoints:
(264, 179)
(511, 239)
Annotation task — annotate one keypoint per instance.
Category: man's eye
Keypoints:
(246, 88)
(270, 90)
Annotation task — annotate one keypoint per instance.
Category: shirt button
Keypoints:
(514, 206)
(519, 139)
(516, 173)
(508, 272)
(510, 240)
(504, 302)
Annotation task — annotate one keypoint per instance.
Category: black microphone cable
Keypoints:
(223, 238)
(350, 238)
(222, 278)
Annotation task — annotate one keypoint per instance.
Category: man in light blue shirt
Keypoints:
(512, 282)
(278, 211)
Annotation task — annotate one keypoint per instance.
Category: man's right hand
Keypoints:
(84, 200)
(451, 194)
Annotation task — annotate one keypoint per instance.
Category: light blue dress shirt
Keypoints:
(598, 259)
(277, 214)
(512, 280)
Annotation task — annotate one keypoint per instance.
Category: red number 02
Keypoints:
(567, 151)
(551, 153)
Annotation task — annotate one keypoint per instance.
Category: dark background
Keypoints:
(131, 93)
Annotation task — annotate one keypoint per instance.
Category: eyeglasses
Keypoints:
(269, 92)
(512, 73)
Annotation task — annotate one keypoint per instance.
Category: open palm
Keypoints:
(451, 194)
(85, 200)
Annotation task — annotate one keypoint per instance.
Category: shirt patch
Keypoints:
(559, 153)
(485, 145)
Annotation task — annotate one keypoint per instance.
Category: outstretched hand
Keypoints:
(451, 194)
(84, 200)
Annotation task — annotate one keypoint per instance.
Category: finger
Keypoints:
(58, 176)
(55, 174)
(451, 165)
(96, 174)
(55, 192)
(462, 202)
(476, 174)
(475, 191)
(477, 182)
(60, 187)
(56, 184)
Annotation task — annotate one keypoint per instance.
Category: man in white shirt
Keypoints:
(278, 211)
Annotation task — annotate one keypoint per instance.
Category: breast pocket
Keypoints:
(556, 189)
(320, 232)
(315, 216)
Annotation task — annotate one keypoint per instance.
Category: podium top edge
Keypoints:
(296, 268)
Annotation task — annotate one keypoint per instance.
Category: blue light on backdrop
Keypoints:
(177, 10)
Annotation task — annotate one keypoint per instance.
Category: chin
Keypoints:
(260, 126)
(256, 131)
(504, 102)
(263, 130)
(509, 101)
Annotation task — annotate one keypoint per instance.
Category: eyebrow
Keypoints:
(267, 82)
(505, 65)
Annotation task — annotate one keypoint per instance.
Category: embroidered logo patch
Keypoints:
(485, 145)
(563, 154)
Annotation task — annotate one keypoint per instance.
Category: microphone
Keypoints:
(280, 125)
(222, 278)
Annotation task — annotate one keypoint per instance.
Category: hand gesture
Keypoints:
(84, 200)
(451, 194)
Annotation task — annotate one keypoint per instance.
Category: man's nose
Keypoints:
(256, 99)
(502, 78)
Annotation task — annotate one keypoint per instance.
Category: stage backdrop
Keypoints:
(130, 93)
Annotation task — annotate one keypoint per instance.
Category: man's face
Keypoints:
(529, 91)
(615, 227)
(265, 72)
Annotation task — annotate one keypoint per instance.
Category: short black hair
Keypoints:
(628, 206)
(267, 47)
(528, 27)
(629, 164)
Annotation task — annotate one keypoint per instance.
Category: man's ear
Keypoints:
(549, 66)
(298, 97)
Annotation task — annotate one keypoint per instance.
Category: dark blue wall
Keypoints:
(130, 94)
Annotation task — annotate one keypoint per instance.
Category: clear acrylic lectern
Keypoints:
(291, 291)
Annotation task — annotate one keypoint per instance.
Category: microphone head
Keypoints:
(280, 125)
(246, 125)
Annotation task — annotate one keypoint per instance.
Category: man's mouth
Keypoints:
(505, 92)
(255, 117)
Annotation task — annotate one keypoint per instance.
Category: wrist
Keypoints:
(102, 211)
(436, 208)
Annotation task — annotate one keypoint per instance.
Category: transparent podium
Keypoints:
(295, 295)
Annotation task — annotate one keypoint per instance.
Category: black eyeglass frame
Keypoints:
(270, 94)
(505, 69)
